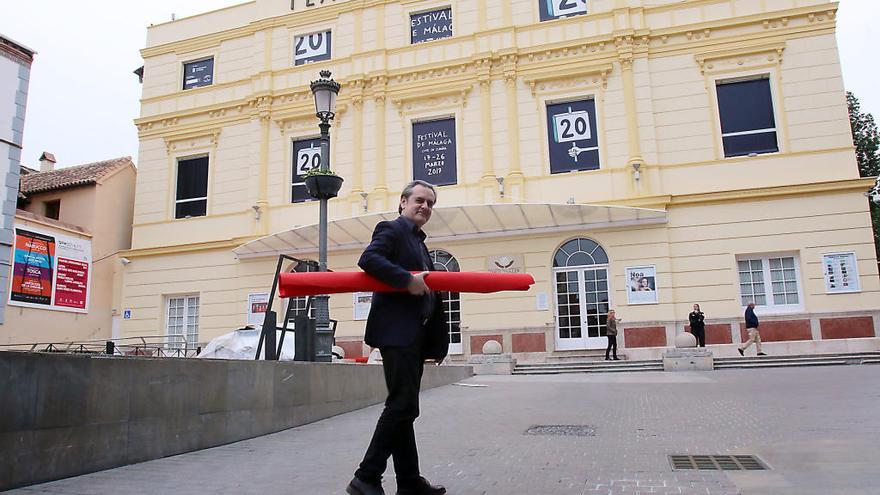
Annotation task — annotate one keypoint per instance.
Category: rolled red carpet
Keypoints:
(314, 283)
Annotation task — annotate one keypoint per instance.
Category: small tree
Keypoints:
(867, 142)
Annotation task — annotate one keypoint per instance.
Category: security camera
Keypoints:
(124, 261)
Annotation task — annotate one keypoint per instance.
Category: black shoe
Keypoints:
(422, 487)
(761, 354)
(358, 486)
(616, 358)
(607, 358)
(740, 352)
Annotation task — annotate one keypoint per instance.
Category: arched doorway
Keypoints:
(445, 262)
(580, 268)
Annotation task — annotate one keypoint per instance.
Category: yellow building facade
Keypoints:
(699, 150)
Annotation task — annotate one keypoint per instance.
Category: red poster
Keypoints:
(71, 283)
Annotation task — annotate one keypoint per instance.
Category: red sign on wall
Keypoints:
(71, 284)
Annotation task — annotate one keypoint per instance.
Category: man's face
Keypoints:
(419, 205)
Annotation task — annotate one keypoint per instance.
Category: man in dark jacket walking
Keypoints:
(752, 329)
(408, 328)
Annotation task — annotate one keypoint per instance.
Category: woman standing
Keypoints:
(611, 333)
(698, 328)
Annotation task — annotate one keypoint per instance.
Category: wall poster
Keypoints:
(841, 273)
(306, 156)
(433, 149)
(641, 285)
(554, 9)
(310, 48)
(199, 73)
(50, 271)
(257, 304)
(572, 136)
(362, 302)
(429, 26)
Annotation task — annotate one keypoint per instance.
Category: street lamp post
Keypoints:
(325, 90)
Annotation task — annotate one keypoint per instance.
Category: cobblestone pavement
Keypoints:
(817, 428)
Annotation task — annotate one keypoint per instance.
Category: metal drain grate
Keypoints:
(717, 462)
(562, 430)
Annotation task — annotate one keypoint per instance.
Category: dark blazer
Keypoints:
(696, 321)
(751, 318)
(397, 318)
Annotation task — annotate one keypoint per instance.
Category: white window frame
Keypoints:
(770, 306)
(191, 337)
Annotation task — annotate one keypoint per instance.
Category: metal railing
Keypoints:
(150, 346)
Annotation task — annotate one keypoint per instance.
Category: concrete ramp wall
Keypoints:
(63, 415)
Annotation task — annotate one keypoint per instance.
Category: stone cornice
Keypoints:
(551, 61)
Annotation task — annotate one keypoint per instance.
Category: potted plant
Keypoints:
(322, 184)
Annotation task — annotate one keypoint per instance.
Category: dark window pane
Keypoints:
(587, 245)
(580, 259)
(745, 106)
(764, 142)
(192, 178)
(599, 256)
(191, 209)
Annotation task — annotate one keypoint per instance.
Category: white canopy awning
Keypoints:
(456, 223)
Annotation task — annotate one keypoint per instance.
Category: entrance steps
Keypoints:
(588, 363)
(791, 360)
(593, 366)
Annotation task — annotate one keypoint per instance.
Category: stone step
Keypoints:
(597, 369)
(848, 355)
(789, 364)
(616, 364)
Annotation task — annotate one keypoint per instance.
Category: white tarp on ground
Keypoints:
(242, 344)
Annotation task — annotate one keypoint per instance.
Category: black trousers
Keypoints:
(394, 435)
(612, 344)
(700, 336)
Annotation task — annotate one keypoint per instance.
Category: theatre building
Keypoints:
(633, 155)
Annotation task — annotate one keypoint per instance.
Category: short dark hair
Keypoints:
(408, 190)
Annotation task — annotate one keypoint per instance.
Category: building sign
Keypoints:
(505, 264)
(433, 148)
(306, 156)
(199, 73)
(305, 4)
(571, 135)
(50, 271)
(362, 302)
(841, 273)
(310, 48)
(257, 304)
(641, 285)
(429, 26)
(554, 9)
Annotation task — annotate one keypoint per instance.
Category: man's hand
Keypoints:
(417, 286)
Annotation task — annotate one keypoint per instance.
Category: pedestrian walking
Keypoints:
(611, 333)
(408, 327)
(752, 329)
(698, 327)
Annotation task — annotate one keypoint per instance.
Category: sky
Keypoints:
(83, 95)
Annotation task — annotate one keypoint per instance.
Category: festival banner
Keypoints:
(50, 271)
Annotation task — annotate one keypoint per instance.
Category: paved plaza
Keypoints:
(817, 429)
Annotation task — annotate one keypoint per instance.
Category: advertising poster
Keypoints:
(554, 9)
(33, 268)
(50, 271)
(840, 272)
(428, 26)
(641, 285)
(433, 149)
(198, 74)
(257, 304)
(362, 302)
(312, 47)
(572, 136)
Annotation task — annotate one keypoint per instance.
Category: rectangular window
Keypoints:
(431, 25)
(306, 156)
(781, 272)
(572, 136)
(310, 48)
(747, 122)
(192, 188)
(52, 209)
(199, 73)
(554, 9)
(182, 324)
(433, 151)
